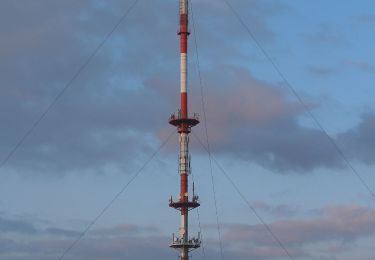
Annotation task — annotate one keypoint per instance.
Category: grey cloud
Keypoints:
(281, 210)
(361, 65)
(338, 223)
(102, 248)
(338, 248)
(7, 245)
(124, 230)
(100, 243)
(19, 226)
(359, 143)
(321, 71)
(268, 252)
(115, 111)
(345, 223)
(285, 146)
(59, 232)
(254, 121)
(24, 226)
(367, 19)
(326, 34)
(358, 65)
(103, 121)
(96, 126)
(119, 248)
(125, 248)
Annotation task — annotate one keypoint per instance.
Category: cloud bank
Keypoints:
(115, 112)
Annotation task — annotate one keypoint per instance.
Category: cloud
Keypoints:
(25, 240)
(98, 123)
(280, 211)
(59, 232)
(365, 19)
(103, 122)
(252, 120)
(320, 235)
(325, 34)
(321, 71)
(7, 245)
(24, 226)
(360, 65)
(359, 142)
(114, 113)
(343, 223)
(18, 226)
(124, 230)
(119, 248)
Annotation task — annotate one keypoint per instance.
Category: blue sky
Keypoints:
(114, 116)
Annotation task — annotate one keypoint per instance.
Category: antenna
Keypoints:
(184, 124)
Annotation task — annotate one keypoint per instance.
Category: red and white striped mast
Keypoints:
(184, 123)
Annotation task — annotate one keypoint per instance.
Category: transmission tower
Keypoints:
(184, 203)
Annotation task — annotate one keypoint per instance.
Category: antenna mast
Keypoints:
(184, 204)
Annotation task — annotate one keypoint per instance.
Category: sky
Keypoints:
(114, 116)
